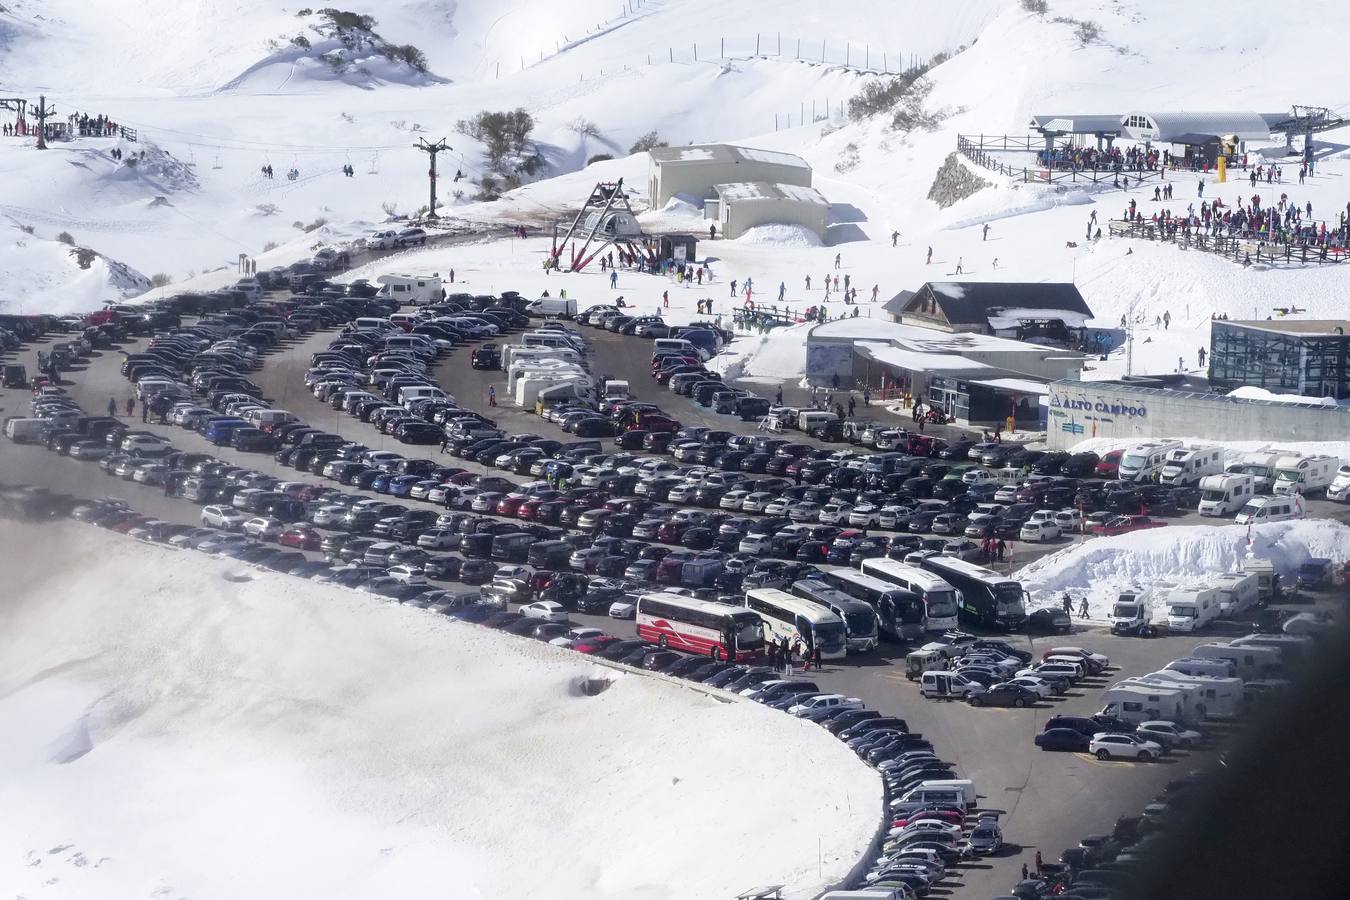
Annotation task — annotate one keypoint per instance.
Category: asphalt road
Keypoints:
(1048, 800)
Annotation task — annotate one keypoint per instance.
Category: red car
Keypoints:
(655, 424)
(595, 644)
(510, 504)
(1109, 466)
(300, 537)
(1126, 524)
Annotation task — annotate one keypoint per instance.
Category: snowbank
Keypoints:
(780, 235)
(1247, 392)
(169, 732)
(1163, 558)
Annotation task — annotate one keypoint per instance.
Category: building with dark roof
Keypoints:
(1006, 309)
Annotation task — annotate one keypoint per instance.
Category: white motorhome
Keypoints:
(1203, 668)
(1192, 610)
(541, 370)
(1223, 495)
(1238, 592)
(558, 340)
(1251, 661)
(1189, 466)
(1139, 462)
(1137, 703)
(1222, 697)
(552, 306)
(1299, 474)
(1260, 510)
(1293, 647)
(566, 391)
(411, 288)
(1192, 699)
(530, 385)
(516, 352)
(1261, 466)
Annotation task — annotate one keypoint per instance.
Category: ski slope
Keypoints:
(172, 733)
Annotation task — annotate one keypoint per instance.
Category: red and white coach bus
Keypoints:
(715, 630)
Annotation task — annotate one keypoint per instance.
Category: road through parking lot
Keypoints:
(1048, 800)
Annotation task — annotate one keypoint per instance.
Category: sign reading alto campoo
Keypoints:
(1076, 412)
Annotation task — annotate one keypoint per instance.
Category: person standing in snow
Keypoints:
(613, 279)
(733, 287)
(1068, 604)
(782, 290)
(778, 397)
(712, 232)
(1167, 319)
(930, 257)
(895, 236)
(986, 231)
(808, 282)
(958, 266)
(837, 258)
(1201, 188)
(1201, 354)
(1083, 609)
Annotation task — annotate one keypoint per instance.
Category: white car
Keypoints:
(733, 500)
(439, 539)
(865, 515)
(409, 236)
(576, 635)
(822, 702)
(804, 511)
(547, 610)
(835, 512)
(328, 516)
(886, 518)
(1043, 688)
(264, 528)
(382, 240)
(1092, 661)
(218, 516)
(756, 501)
(1127, 746)
(623, 609)
(776, 507)
(1039, 532)
(1069, 520)
(144, 445)
(930, 826)
(1169, 733)
(407, 574)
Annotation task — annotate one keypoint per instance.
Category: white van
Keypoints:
(1191, 610)
(411, 288)
(1261, 466)
(1238, 592)
(1339, 490)
(1222, 495)
(552, 306)
(1250, 661)
(1136, 703)
(1300, 474)
(680, 345)
(1140, 461)
(1203, 668)
(1269, 509)
(22, 430)
(1189, 466)
(934, 796)
(812, 418)
(937, 683)
(964, 785)
(411, 392)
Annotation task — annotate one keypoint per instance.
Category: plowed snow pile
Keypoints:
(170, 733)
(1163, 558)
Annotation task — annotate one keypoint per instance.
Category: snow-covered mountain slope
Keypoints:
(183, 735)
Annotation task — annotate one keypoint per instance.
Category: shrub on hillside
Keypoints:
(649, 141)
(160, 279)
(500, 132)
(881, 95)
(599, 157)
(66, 238)
(583, 127)
(1039, 7)
(408, 55)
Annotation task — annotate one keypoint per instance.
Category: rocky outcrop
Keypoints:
(954, 182)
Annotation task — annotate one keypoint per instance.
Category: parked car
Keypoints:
(1105, 746)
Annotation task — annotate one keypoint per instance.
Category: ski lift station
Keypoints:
(696, 170)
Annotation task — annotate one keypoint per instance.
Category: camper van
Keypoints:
(514, 353)
(1264, 570)
(1137, 703)
(1222, 495)
(556, 340)
(412, 289)
(552, 306)
(1192, 610)
(1249, 661)
(1238, 592)
(1261, 466)
(1298, 474)
(1220, 697)
(1260, 510)
(1132, 611)
(1140, 461)
(566, 392)
(531, 386)
(1189, 466)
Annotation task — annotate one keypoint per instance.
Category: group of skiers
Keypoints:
(782, 655)
(94, 126)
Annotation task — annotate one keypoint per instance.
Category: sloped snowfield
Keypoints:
(169, 733)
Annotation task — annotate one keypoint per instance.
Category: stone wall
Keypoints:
(954, 182)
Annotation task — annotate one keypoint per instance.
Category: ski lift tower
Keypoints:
(1307, 121)
(606, 217)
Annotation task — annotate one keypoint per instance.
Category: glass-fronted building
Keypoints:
(1310, 357)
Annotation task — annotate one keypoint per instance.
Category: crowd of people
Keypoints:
(1286, 223)
(94, 126)
(1109, 159)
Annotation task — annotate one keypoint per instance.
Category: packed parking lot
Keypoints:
(270, 437)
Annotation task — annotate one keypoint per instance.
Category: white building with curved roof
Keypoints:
(696, 170)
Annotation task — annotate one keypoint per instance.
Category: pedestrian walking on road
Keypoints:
(445, 444)
(131, 407)
(1068, 605)
(145, 412)
(492, 395)
(778, 397)
(1038, 862)
(112, 408)
(815, 657)
(852, 404)
(867, 396)
(1083, 609)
